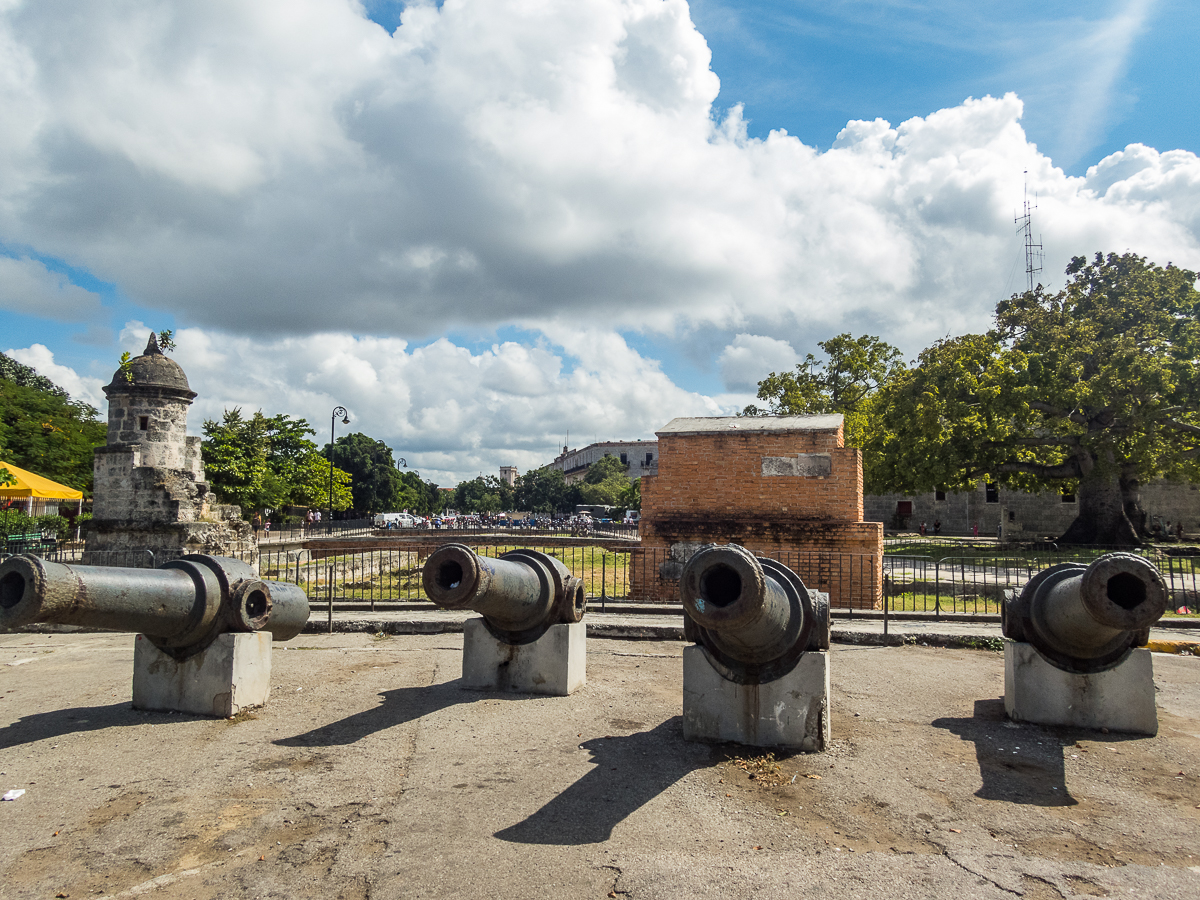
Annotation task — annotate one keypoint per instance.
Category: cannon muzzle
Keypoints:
(754, 616)
(181, 606)
(519, 595)
(1086, 619)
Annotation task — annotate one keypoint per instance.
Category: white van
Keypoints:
(395, 520)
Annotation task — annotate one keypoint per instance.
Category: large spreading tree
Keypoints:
(1094, 389)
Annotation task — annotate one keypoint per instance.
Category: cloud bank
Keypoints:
(285, 174)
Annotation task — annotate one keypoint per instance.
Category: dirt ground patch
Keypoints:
(372, 773)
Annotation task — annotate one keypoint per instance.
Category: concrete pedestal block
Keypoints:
(232, 674)
(792, 711)
(554, 664)
(1121, 699)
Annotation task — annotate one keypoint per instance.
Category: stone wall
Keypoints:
(1025, 516)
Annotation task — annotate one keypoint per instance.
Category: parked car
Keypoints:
(395, 520)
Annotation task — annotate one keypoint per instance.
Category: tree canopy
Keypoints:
(844, 382)
(268, 462)
(43, 430)
(1095, 388)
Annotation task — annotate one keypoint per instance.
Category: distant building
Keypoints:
(1023, 516)
(508, 474)
(639, 458)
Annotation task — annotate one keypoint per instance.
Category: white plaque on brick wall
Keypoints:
(804, 465)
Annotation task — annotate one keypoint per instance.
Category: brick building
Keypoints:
(781, 486)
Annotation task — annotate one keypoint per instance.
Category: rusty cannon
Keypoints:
(204, 623)
(758, 673)
(1071, 657)
(530, 637)
(1086, 619)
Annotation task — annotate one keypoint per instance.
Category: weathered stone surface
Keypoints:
(232, 674)
(1121, 699)
(554, 664)
(792, 711)
(151, 500)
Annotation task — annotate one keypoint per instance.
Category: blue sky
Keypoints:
(513, 220)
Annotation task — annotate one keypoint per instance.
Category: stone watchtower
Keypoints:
(151, 501)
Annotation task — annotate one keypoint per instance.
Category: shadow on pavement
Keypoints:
(630, 772)
(59, 722)
(1013, 766)
(398, 706)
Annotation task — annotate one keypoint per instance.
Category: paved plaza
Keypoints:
(372, 773)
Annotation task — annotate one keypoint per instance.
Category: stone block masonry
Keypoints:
(783, 487)
(151, 500)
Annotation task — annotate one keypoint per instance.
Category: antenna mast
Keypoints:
(1033, 252)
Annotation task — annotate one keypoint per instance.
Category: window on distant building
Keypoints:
(624, 459)
(993, 492)
(144, 423)
(939, 495)
(1068, 496)
(649, 458)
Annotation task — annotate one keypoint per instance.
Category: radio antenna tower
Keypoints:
(1033, 252)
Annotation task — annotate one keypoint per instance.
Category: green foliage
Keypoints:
(165, 343)
(376, 484)
(268, 462)
(126, 366)
(18, 373)
(543, 490)
(15, 521)
(43, 430)
(485, 494)
(844, 382)
(6, 477)
(605, 483)
(1095, 387)
(419, 497)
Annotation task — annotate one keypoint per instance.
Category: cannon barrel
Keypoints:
(754, 616)
(519, 595)
(1086, 619)
(181, 606)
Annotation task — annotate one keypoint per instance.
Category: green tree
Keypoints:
(1094, 389)
(844, 382)
(268, 462)
(543, 490)
(605, 482)
(43, 430)
(376, 484)
(484, 494)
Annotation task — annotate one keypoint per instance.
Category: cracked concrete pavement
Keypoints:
(371, 773)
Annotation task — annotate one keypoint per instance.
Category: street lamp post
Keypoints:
(337, 411)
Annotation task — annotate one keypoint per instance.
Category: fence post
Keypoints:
(603, 579)
(329, 594)
(937, 589)
(886, 601)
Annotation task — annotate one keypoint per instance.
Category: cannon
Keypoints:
(519, 595)
(181, 607)
(754, 616)
(757, 673)
(1087, 619)
(530, 637)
